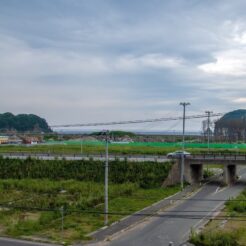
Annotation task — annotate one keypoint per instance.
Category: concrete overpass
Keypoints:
(194, 166)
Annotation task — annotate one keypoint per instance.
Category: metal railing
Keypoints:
(218, 156)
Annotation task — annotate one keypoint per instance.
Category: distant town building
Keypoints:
(10, 140)
(15, 140)
(4, 139)
(31, 140)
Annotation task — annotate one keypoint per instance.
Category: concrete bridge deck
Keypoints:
(193, 169)
(238, 159)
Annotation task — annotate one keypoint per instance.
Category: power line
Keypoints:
(134, 197)
(184, 199)
(137, 121)
(168, 214)
(8, 204)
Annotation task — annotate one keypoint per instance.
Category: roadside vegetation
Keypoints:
(87, 148)
(115, 134)
(210, 170)
(146, 174)
(228, 232)
(35, 194)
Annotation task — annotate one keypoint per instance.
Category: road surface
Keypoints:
(166, 229)
(15, 242)
(136, 158)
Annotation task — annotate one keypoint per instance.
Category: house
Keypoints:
(31, 140)
(4, 139)
(14, 140)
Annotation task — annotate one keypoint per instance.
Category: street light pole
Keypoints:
(81, 145)
(106, 182)
(208, 128)
(184, 104)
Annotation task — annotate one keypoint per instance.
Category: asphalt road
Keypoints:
(166, 229)
(15, 242)
(136, 158)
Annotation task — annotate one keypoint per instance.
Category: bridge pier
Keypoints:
(193, 173)
(230, 174)
(193, 168)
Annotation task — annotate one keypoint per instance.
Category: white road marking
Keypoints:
(217, 189)
(224, 188)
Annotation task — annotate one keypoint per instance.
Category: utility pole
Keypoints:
(81, 146)
(106, 182)
(62, 222)
(184, 104)
(208, 128)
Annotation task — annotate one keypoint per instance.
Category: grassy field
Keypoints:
(34, 191)
(145, 174)
(189, 144)
(30, 207)
(231, 231)
(132, 148)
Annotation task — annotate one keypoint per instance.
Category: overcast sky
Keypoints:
(75, 61)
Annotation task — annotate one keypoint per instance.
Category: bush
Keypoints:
(146, 174)
(238, 204)
(214, 239)
(47, 217)
(207, 173)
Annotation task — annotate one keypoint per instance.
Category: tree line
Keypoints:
(23, 123)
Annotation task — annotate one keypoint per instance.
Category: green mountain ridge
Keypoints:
(238, 114)
(23, 123)
(231, 127)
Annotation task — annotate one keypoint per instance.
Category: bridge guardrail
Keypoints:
(232, 157)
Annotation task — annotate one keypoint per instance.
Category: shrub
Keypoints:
(146, 174)
(214, 239)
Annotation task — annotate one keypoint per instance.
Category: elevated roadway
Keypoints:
(194, 166)
(101, 157)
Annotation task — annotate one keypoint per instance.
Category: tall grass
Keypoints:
(113, 149)
(233, 237)
(237, 205)
(146, 174)
(214, 239)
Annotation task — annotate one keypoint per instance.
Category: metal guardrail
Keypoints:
(201, 156)
(51, 156)
(231, 157)
(81, 155)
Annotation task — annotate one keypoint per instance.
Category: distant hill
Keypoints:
(23, 123)
(239, 114)
(232, 126)
(115, 134)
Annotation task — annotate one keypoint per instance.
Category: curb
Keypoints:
(137, 217)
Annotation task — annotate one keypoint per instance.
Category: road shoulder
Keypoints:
(131, 221)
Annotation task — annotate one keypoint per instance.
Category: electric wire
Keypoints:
(166, 214)
(136, 121)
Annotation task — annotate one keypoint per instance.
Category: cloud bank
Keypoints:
(76, 61)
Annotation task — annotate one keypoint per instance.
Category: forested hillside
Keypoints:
(232, 126)
(23, 122)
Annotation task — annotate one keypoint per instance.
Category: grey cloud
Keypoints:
(107, 58)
